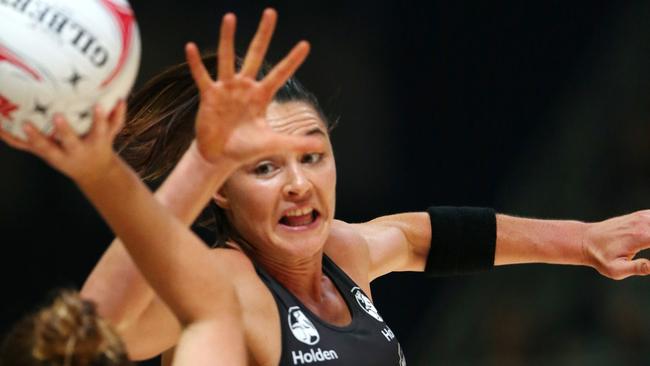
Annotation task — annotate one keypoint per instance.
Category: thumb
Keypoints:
(642, 266)
(627, 268)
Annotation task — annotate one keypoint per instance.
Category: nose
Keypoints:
(297, 185)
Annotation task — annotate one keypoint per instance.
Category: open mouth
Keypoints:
(300, 218)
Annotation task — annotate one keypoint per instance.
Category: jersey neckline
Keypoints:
(340, 287)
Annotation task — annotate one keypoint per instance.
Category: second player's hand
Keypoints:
(81, 158)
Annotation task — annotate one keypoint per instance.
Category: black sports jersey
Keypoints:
(308, 340)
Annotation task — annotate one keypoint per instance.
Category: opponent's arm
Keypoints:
(116, 285)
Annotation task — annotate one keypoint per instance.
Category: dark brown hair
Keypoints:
(160, 127)
(68, 332)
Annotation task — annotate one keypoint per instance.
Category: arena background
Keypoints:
(535, 108)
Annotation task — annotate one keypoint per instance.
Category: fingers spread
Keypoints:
(197, 69)
(285, 68)
(259, 45)
(226, 51)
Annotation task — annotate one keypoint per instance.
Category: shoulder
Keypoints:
(346, 239)
(398, 242)
(348, 248)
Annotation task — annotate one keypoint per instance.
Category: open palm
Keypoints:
(231, 120)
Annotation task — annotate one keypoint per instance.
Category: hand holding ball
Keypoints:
(64, 56)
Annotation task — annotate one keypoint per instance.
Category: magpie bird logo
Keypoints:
(301, 327)
(365, 304)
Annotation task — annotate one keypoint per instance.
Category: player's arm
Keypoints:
(163, 248)
(116, 284)
(403, 242)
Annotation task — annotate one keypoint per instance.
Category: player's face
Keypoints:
(284, 204)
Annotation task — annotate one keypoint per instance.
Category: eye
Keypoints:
(264, 168)
(312, 158)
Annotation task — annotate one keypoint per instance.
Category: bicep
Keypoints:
(398, 242)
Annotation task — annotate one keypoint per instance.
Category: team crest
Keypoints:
(365, 303)
(301, 327)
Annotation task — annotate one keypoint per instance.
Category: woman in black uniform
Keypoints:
(300, 278)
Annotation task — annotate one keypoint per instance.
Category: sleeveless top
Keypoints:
(309, 340)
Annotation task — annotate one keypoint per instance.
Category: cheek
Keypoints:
(252, 202)
(330, 178)
(326, 180)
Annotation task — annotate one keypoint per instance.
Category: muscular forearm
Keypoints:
(521, 240)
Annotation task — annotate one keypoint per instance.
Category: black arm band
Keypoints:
(463, 240)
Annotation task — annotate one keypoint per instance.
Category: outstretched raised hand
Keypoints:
(231, 120)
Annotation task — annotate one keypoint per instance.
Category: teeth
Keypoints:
(299, 211)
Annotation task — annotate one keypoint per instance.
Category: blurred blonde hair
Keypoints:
(69, 332)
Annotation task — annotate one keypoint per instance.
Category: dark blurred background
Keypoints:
(535, 108)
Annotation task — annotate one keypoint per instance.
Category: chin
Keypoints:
(310, 237)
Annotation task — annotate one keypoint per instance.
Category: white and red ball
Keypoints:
(64, 56)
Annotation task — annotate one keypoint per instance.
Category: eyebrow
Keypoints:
(315, 131)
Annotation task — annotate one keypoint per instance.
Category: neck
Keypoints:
(303, 277)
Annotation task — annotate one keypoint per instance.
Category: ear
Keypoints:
(221, 200)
